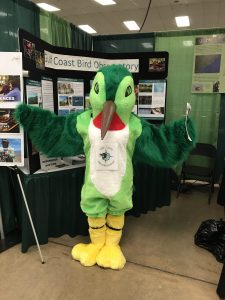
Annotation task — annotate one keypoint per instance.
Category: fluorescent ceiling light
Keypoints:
(48, 7)
(105, 2)
(188, 43)
(182, 21)
(87, 28)
(112, 45)
(131, 25)
(147, 45)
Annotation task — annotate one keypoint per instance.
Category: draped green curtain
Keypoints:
(207, 109)
(80, 39)
(55, 30)
(16, 14)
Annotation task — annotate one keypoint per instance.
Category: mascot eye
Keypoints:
(96, 88)
(128, 91)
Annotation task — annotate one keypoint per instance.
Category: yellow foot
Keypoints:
(86, 253)
(112, 257)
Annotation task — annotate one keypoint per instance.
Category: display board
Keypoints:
(209, 64)
(152, 99)
(70, 95)
(11, 94)
(72, 71)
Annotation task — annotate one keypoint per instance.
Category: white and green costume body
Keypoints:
(108, 182)
(110, 136)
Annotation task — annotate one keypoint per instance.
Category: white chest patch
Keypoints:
(108, 159)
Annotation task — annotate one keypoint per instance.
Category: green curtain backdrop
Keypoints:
(16, 14)
(80, 39)
(55, 30)
(206, 108)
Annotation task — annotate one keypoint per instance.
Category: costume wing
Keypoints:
(52, 135)
(164, 146)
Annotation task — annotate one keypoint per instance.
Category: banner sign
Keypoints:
(89, 64)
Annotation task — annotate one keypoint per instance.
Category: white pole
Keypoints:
(31, 222)
(2, 235)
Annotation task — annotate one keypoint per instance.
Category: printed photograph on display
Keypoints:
(145, 100)
(207, 63)
(40, 60)
(10, 89)
(32, 98)
(10, 150)
(77, 101)
(145, 87)
(64, 112)
(7, 123)
(157, 64)
(29, 49)
(33, 93)
(87, 101)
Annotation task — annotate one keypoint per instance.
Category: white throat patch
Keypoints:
(108, 159)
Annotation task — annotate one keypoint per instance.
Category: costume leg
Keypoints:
(111, 255)
(87, 253)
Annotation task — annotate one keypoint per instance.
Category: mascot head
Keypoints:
(112, 98)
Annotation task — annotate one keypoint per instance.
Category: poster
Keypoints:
(47, 93)
(70, 95)
(152, 99)
(11, 94)
(209, 65)
(33, 93)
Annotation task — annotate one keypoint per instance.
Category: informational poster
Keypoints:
(209, 65)
(33, 92)
(11, 94)
(152, 99)
(47, 93)
(70, 95)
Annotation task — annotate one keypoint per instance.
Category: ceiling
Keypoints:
(108, 20)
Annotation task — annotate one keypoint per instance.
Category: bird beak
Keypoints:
(109, 109)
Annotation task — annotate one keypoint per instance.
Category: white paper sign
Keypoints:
(106, 156)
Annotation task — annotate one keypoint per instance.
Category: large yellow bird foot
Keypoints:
(112, 257)
(86, 253)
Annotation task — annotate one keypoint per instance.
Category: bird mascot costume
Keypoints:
(110, 136)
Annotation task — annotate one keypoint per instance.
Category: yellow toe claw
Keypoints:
(112, 257)
(86, 253)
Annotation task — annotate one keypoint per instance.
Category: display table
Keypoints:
(54, 200)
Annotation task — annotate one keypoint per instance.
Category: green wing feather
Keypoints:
(50, 134)
(164, 146)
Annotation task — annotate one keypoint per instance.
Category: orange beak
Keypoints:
(109, 109)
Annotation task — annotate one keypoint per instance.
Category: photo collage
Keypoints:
(70, 95)
(11, 91)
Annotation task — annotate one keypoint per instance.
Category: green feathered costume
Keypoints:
(110, 136)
